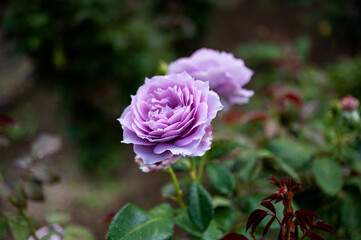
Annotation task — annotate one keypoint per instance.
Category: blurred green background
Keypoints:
(69, 67)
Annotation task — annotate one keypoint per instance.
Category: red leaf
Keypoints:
(301, 223)
(307, 221)
(258, 221)
(274, 197)
(297, 187)
(313, 236)
(265, 230)
(252, 219)
(320, 224)
(283, 182)
(271, 197)
(254, 238)
(6, 121)
(306, 212)
(288, 180)
(234, 236)
(269, 205)
(274, 181)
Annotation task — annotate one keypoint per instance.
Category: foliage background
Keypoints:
(68, 67)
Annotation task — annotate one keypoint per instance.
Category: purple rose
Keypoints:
(55, 230)
(226, 75)
(170, 117)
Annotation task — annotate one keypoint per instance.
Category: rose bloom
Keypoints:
(226, 75)
(44, 231)
(170, 117)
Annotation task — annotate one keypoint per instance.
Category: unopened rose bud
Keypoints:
(349, 103)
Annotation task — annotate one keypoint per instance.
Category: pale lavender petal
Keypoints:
(226, 75)
(149, 156)
(44, 231)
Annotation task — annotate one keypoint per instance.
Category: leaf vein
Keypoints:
(141, 226)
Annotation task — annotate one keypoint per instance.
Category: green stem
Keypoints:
(193, 170)
(202, 163)
(339, 140)
(29, 223)
(178, 191)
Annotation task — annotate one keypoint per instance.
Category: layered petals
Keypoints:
(169, 118)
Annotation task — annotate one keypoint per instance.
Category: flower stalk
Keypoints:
(202, 163)
(193, 169)
(29, 223)
(177, 189)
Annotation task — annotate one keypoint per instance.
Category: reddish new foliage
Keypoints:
(6, 121)
(234, 236)
(108, 218)
(303, 219)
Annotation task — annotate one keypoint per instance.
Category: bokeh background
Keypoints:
(68, 68)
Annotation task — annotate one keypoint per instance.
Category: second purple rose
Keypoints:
(226, 74)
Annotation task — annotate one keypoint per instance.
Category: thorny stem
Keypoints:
(286, 230)
(193, 170)
(29, 223)
(178, 191)
(201, 168)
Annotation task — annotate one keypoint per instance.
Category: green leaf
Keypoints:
(212, 232)
(18, 199)
(221, 178)
(293, 154)
(18, 227)
(225, 218)
(184, 184)
(328, 175)
(77, 233)
(258, 53)
(351, 210)
(221, 148)
(354, 181)
(181, 165)
(352, 158)
(200, 208)
(183, 221)
(58, 217)
(162, 210)
(248, 166)
(3, 228)
(218, 201)
(33, 190)
(287, 169)
(133, 223)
